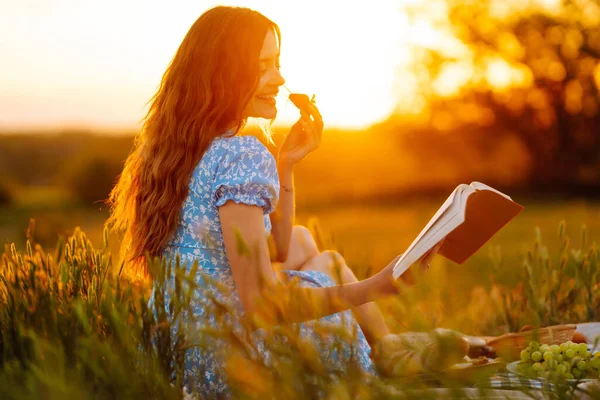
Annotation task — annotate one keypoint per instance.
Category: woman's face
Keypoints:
(262, 104)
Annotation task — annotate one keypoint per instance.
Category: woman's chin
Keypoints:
(267, 114)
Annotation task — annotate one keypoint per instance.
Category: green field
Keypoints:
(368, 235)
(462, 297)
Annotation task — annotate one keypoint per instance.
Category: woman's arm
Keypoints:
(303, 138)
(282, 220)
(254, 277)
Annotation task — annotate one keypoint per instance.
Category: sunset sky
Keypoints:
(96, 63)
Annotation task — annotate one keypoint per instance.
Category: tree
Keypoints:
(536, 72)
(5, 195)
(94, 179)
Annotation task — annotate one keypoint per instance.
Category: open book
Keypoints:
(470, 216)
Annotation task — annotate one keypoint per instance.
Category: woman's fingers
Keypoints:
(426, 260)
(311, 129)
(305, 116)
(395, 260)
(298, 124)
(318, 121)
(315, 116)
(314, 112)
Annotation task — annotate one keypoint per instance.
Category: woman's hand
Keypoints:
(303, 138)
(386, 283)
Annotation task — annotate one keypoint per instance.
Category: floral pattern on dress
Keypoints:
(241, 169)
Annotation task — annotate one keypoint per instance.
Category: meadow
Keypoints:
(72, 329)
(369, 235)
(360, 195)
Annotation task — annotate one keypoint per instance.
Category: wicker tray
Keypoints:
(509, 346)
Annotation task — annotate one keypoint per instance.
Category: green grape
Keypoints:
(555, 348)
(587, 354)
(548, 355)
(581, 365)
(588, 367)
(536, 356)
(564, 346)
(555, 376)
(558, 357)
(569, 375)
(525, 355)
(570, 353)
(582, 347)
(561, 369)
(540, 373)
(597, 354)
(595, 362)
(566, 364)
(576, 373)
(522, 366)
(544, 348)
(537, 366)
(533, 343)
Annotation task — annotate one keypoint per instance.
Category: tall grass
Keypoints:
(72, 325)
(557, 285)
(69, 328)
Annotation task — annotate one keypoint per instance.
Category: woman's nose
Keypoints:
(278, 79)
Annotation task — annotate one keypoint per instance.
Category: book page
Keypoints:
(440, 212)
(425, 244)
(436, 224)
(470, 216)
(446, 207)
(482, 186)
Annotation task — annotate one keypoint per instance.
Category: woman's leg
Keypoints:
(302, 248)
(368, 316)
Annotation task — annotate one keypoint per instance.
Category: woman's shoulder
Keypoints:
(226, 153)
(239, 144)
(241, 150)
(246, 172)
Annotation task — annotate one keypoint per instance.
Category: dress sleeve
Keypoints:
(247, 174)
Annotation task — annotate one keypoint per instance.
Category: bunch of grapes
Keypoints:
(558, 362)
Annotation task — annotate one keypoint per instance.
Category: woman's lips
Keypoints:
(268, 100)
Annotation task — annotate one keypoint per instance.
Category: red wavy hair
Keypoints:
(203, 93)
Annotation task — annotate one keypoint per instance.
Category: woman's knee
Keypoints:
(335, 258)
(302, 248)
(303, 239)
(333, 264)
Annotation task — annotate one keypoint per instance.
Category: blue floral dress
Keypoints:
(238, 168)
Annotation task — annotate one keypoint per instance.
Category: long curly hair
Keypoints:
(203, 93)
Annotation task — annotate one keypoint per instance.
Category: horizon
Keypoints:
(124, 131)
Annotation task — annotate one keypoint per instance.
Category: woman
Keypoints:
(192, 185)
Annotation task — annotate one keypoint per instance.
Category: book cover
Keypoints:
(468, 219)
